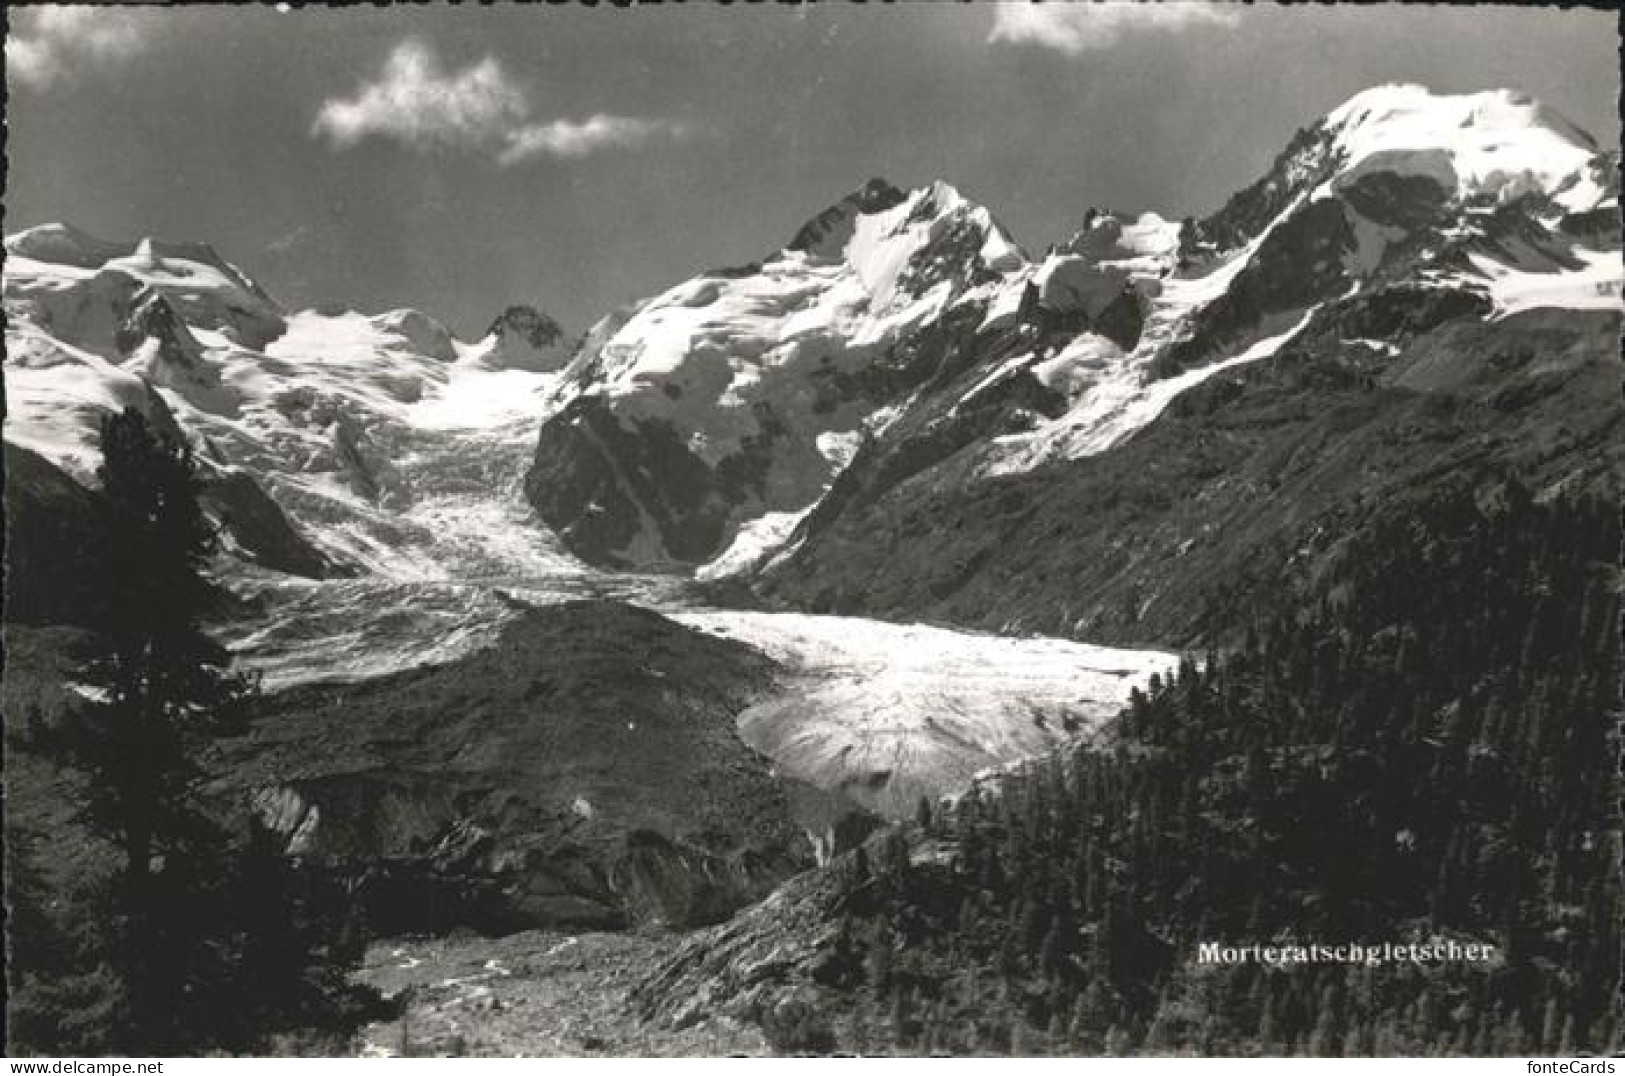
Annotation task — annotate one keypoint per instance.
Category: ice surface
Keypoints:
(892, 712)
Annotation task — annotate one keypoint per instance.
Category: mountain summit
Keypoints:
(708, 424)
(716, 411)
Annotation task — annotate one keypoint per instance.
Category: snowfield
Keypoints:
(395, 448)
(1596, 285)
(1113, 394)
(1498, 144)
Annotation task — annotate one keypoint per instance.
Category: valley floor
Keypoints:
(532, 994)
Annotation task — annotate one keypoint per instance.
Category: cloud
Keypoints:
(566, 138)
(422, 106)
(418, 104)
(1076, 28)
(52, 45)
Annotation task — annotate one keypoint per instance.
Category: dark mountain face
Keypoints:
(56, 538)
(609, 486)
(536, 329)
(1300, 262)
(1305, 162)
(1112, 547)
(54, 544)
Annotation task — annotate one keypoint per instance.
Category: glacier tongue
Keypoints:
(888, 713)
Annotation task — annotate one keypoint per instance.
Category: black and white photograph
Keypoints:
(978, 530)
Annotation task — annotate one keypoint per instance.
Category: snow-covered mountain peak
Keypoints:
(748, 389)
(1421, 152)
(878, 228)
(826, 235)
(63, 275)
(63, 244)
(149, 258)
(1497, 145)
(388, 443)
(934, 235)
(1428, 114)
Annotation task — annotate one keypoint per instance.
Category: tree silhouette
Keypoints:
(200, 938)
(158, 686)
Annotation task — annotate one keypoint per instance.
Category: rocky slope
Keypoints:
(533, 994)
(1112, 547)
(584, 770)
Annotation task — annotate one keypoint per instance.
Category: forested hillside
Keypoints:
(1415, 740)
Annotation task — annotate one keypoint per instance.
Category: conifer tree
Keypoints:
(161, 684)
(209, 943)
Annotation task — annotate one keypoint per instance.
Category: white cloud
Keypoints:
(417, 103)
(566, 138)
(51, 45)
(1076, 28)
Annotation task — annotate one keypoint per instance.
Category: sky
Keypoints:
(459, 160)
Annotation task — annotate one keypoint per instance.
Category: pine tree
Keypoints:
(162, 685)
(210, 946)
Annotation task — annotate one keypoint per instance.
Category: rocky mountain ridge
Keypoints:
(1420, 286)
(312, 424)
(723, 422)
